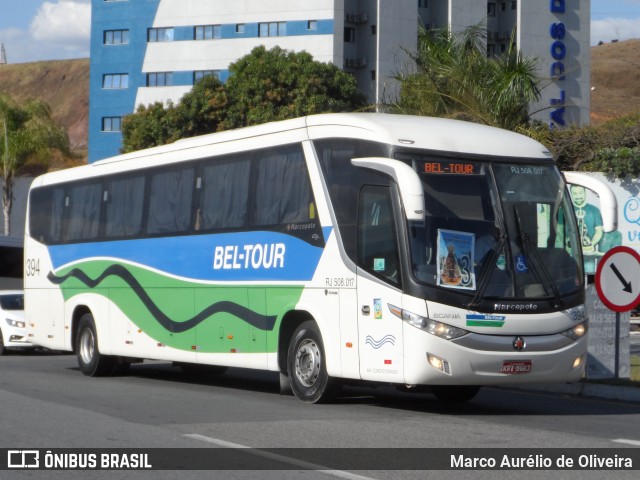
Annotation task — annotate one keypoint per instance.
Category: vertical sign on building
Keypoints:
(558, 31)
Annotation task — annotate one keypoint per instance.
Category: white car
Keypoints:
(12, 331)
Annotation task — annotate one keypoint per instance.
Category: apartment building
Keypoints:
(143, 51)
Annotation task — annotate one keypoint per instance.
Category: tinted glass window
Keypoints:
(377, 240)
(82, 211)
(225, 194)
(124, 208)
(170, 199)
(45, 219)
(344, 180)
(283, 192)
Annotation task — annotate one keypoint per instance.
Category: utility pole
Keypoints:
(3, 55)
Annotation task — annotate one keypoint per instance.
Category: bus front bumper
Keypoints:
(435, 361)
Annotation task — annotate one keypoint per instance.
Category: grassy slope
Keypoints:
(63, 84)
(615, 80)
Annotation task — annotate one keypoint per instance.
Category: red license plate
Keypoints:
(516, 367)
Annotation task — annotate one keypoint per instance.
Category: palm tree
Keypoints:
(455, 78)
(27, 133)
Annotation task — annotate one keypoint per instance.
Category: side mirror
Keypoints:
(608, 202)
(408, 181)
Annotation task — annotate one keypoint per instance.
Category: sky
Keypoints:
(35, 30)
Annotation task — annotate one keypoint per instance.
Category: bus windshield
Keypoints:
(495, 230)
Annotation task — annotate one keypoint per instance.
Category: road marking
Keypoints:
(628, 442)
(280, 458)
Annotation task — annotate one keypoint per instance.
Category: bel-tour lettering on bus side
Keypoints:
(235, 257)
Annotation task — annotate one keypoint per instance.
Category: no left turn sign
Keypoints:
(618, 279)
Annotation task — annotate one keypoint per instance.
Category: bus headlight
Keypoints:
(15, 323)
(576, 332)
(434, 327)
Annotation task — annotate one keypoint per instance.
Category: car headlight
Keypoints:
(576, 332)
(15, 323)
(434, 327)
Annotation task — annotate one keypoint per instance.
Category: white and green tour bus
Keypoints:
(332, 248)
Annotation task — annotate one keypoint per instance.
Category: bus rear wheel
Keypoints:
(91, 362)
(306, 364)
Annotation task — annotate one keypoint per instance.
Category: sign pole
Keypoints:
(617, 350)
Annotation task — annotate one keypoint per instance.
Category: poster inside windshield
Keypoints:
(455, 259)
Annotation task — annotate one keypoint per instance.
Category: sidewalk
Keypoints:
(588, 388)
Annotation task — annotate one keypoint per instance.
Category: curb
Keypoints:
(596, 390)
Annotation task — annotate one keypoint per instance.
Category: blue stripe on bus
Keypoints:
(245, 256)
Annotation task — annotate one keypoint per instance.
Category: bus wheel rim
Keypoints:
(87, 346)
(308, 362)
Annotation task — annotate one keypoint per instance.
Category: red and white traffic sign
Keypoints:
(618, 279)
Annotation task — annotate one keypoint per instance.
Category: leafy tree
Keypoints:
(617, 161)
(611, 147)
(28, 133)
(455, 78)
(264, 86)
(148, 127)
(278, 84)
(200, 111)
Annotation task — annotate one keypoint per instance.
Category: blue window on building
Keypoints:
(200, 74)
(272, 29)
(160, 34)
(115, 81)
(111, 124)
(116, 37)
(207, 32)
(160, 79)
(312, 25)
(239, 27)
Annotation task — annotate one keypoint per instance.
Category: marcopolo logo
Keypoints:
(255, 256)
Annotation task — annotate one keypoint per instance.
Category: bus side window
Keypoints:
(46, 207)
(225, 193)
(125, 203)
(170, 198)
(377, 239)
(82, 212)
(283, 191)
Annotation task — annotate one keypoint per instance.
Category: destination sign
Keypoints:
(451, 167)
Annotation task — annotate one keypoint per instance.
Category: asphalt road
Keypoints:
(47, 403)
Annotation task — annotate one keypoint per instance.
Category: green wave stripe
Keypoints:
(181, 300)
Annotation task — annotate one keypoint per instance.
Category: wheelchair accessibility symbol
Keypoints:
(521, 264)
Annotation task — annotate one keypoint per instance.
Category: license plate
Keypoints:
(516, 367)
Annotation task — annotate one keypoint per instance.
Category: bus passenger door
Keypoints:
(380, 331)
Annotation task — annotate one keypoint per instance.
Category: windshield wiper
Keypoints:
(534, 255)
(487, 269)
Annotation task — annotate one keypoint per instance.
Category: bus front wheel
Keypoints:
(306, 364)
(91, 362)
